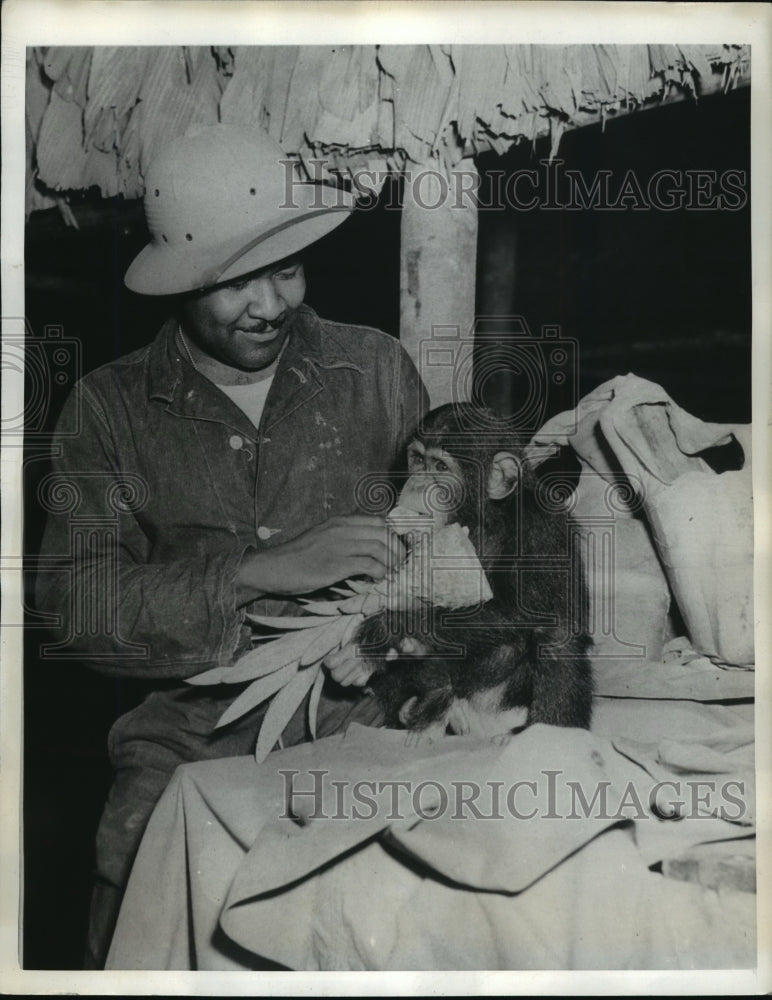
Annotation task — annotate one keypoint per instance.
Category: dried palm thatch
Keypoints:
(95, 116)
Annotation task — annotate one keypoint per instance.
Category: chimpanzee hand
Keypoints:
(423, 737)
(325, 554)
(410, 646)
(466, 718)
(348, 668)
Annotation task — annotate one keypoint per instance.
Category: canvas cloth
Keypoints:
(222, 882)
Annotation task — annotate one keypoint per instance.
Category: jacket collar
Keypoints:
(188, 393)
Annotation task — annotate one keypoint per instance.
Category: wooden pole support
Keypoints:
(438, 256)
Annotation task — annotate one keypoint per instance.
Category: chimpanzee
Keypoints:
(526, 647)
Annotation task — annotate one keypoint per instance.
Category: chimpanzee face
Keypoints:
(439, 485)
(433, 460)
(436, 483)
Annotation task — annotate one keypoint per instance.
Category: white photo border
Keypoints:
(138, 22)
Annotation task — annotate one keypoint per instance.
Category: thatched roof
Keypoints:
(96, 116)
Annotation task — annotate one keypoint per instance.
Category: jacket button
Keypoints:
(236, 441)
(264, 533)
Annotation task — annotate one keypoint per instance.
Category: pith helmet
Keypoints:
(222, 201)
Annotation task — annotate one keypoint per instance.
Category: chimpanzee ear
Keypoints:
(504, 474)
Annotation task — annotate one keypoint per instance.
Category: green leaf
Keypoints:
(257, 693)
(347, 605)
(372, 604)
(353, 624)
(266, 659)
(281, 710)
(214, 676)
(313, 702)
(325, 641)
(292, 621)
(325, 608)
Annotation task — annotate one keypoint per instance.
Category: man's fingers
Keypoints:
(382, 545)
(397, 548)
(358, 521)
(367, 536)
(375, 548)
(364, 566)
(341, 547)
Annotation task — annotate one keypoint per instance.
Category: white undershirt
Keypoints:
(249, 398)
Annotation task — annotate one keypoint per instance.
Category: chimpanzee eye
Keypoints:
(415, 461)
(442, 466)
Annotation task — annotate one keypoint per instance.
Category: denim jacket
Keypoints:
(166, 484)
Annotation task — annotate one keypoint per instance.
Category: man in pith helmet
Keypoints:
(221, 462)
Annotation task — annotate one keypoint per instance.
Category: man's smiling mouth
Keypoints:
(266, 329)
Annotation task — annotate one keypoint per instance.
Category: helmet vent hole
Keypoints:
(252, 191)
(188, 237)
(163, 237)
(157, 192)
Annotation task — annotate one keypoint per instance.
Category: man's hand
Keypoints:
(325, 554)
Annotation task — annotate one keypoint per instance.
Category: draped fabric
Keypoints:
(226, 879)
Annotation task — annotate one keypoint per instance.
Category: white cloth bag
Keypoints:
(700, 521)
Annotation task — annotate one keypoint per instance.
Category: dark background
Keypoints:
(666, 295)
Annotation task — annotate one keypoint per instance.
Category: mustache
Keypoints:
(262, 325)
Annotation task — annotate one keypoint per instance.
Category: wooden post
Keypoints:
(438, 263)
(496, 302)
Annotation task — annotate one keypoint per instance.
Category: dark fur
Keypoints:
(503, 646)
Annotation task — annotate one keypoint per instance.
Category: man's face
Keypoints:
(244, 323)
